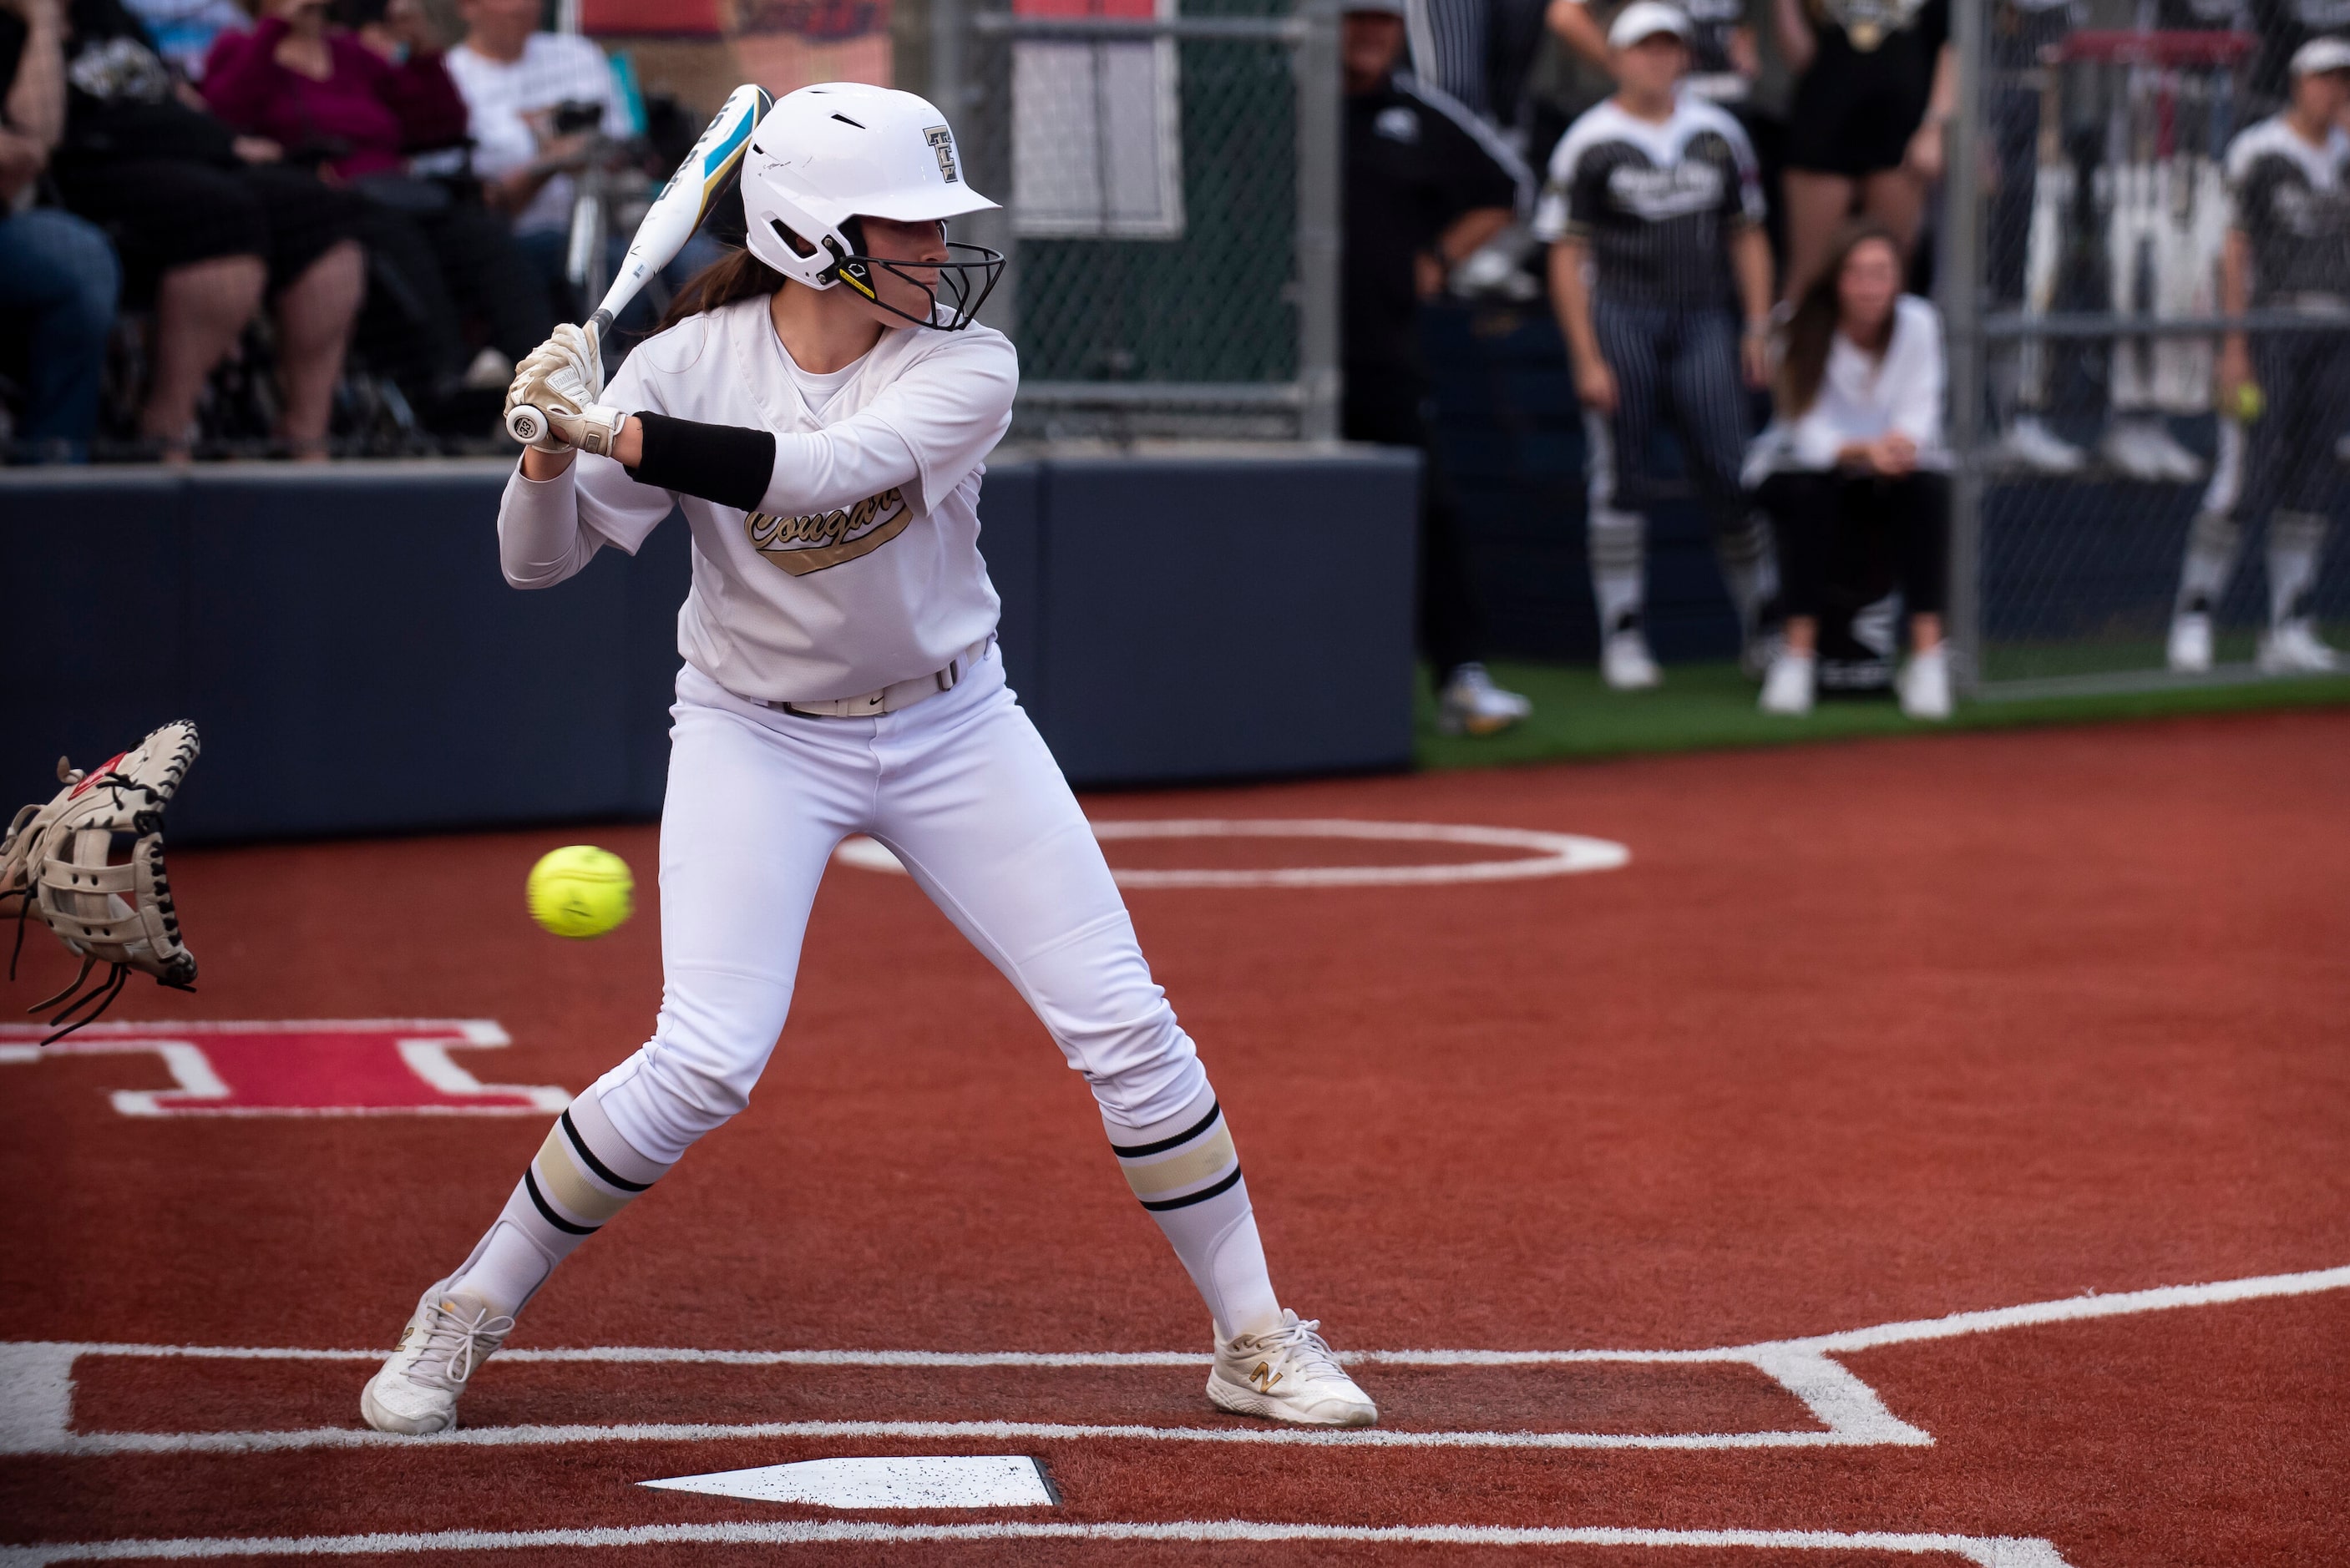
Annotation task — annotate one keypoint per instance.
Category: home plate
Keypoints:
(938, 1481)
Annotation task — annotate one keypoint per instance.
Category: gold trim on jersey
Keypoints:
(815, 540)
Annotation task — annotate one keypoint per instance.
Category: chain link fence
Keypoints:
(1171, 180)
(2106, 501)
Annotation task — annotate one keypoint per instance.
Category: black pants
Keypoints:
(1388, 406)
(163, 215)
(1845, 539)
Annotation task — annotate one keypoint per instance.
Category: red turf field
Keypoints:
(1863, 1035)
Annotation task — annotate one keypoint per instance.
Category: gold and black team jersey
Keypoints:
(1656, 204)
(1867, 24)
(2293, 201)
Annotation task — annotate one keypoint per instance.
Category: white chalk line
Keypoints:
(35, 1388)
(1556, 853)
(1987, 1552)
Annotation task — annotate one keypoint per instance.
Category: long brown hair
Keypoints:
(1804, 363)
(738, 275)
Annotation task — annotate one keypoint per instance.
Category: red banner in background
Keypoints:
(651, 18)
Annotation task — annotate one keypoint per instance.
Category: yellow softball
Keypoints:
(2249, 403)
(579, 890)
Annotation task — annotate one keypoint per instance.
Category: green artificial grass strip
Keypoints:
(1702, 707)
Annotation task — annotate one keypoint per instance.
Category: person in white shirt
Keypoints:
(820, 411)
(512, 78)
(1854, 470)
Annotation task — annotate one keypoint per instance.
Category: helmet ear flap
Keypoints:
(847, 265)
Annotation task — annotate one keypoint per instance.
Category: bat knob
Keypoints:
(524, 423)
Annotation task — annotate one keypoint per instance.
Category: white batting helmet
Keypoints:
(825, 156)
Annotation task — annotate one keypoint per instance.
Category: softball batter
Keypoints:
(820, 407)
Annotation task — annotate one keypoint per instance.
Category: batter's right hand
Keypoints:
(1595, 383)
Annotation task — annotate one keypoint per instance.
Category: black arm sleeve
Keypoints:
(725, 463)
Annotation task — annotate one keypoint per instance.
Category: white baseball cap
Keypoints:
(2322, 55)
(1646, 19)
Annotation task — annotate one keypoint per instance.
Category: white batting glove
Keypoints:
(550, 383)
(586, 353)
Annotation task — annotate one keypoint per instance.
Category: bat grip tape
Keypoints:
(729, 465)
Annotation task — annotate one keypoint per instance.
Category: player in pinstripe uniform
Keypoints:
(2288, 249)
(1654, 211)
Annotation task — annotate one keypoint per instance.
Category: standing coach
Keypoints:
(1426, 184)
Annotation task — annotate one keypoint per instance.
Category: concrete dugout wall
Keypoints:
(357, 664)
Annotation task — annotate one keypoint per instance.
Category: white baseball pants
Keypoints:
(962, 787)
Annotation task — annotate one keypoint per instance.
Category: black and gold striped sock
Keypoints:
(582, 1176)
(1186, 1173)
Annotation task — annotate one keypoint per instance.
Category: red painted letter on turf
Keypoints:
(370, 1067)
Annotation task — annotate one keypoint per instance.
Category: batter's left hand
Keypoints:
(1755, 359)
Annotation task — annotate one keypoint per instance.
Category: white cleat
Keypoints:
(1925, 684)
(1787, 686)
(2191, 643)
(1471, 704)
(2293, 648)
(2029, 444)
(1625, 663)
(1287, 1374)
(452, 1333)
(2145, 450)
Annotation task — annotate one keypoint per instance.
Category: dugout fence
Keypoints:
(2078, 275)
(1170, 183)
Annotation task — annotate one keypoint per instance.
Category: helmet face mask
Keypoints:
(823, 158)
(966, 275)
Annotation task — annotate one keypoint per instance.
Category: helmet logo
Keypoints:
(941, 142)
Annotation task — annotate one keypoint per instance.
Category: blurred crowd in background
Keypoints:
(249, 232)
(1738, 210)
(297, 227)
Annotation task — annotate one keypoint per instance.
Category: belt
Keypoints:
(892, 698)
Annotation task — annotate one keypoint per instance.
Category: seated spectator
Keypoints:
(514, 78)
(330, 100)
(208, 223)
(1855, 468)
(58, 274)
(1876, 82)
(358, 111)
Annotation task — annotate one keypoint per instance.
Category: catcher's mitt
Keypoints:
(59, 861)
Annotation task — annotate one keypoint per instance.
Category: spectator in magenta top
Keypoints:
(459, 301)
(329, 96)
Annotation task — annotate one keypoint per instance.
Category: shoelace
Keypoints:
(1306, 1354)
(459, 1337)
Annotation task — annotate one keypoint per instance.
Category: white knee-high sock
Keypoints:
(1188, 1175)
(2211, 544)
(2296, 539)
(1620, 557)
(1749, 568)
(583, 1175)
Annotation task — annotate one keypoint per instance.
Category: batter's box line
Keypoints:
(36, 1389)
(1988, 1552)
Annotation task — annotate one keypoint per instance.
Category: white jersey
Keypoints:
(862, 567)
(1863, 398)
(501, 97)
